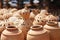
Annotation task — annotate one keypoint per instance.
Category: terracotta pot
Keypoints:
(25, 13)
(51, 18)
(12, 33)
(39, 20)
(54, 30)
(37, 33)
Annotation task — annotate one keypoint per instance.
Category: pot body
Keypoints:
(37, 34)
(12, 34)
(54, 32)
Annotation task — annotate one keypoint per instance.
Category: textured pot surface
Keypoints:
(12, 33)
(39, 20)
(54, 32)
(37, 33)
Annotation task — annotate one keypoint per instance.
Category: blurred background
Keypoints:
(50, 5)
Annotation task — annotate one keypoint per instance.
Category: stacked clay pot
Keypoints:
(52, 27)
(40, 18)
(12, 33)
(26, 23)
(37, 33)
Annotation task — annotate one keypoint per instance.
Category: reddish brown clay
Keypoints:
(37, 33)
(53, 29)
(2, 26)
(39, 20)
(12, 33)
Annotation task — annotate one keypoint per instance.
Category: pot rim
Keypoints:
(11, 27)
(36, 27)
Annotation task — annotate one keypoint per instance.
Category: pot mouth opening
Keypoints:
(37, 27)
(51, 23)
(11, 28)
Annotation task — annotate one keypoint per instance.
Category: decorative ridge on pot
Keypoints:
(37, 27)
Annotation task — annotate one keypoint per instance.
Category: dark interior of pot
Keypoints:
(37, 27)
(11, 27)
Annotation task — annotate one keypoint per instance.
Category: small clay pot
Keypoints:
(25, 13)
(37, 33)
(12, 33)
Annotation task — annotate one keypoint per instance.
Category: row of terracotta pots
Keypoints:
(26, 23)
(37, 32)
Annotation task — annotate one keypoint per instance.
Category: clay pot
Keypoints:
(53, 28)
(25, 13)
(39, 20)
(37, 33)
(12, 33)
